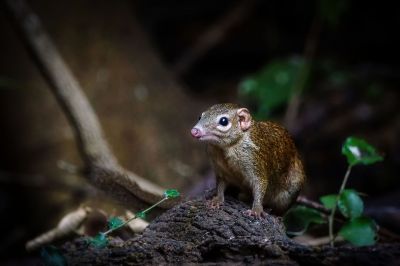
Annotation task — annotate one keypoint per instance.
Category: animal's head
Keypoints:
(222, 124)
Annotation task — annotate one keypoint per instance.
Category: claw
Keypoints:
(215, 203)
(255, 214)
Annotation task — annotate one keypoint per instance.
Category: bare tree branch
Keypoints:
(213, 36)
(310, 49)
(102, 168)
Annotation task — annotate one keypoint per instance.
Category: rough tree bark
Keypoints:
(193, 233)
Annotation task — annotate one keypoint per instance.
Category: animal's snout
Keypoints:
(196, 133)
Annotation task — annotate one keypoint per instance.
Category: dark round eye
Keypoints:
(199, 117)
(223, 121)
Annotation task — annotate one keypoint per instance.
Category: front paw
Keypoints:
(256, 213)
(215, 203)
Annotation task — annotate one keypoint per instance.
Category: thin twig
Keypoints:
(383, 232)
(212, 36)
(135, 217)
(310, 49)
(312, 204)
(332, 215)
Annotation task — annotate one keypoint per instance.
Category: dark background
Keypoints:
(125, 55)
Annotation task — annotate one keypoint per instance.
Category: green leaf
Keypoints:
(171, 193)
(272, 86)
(358, 151)
(350, 204)
(360, 231)
(329, 201)
(115, 222)
(99, 241)
(51, 256)
(141, 215)
(298, 218)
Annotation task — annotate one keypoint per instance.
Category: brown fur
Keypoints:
(261, 159)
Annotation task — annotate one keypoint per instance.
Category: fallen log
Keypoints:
(191, 232)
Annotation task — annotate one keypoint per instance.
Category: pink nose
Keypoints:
(195, 132)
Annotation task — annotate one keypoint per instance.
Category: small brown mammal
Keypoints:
(259, 158)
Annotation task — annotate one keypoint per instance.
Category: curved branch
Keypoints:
(213, 36)
(102, 167)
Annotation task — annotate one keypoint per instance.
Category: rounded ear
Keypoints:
(244, 118)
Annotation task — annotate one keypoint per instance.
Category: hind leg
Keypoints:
(282, 200)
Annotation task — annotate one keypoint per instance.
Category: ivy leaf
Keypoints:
(358, 151)
(51, 256)
(360, 231)
(140, 215)
(171, 193)
(99, 241)
(328, 201)
(350, 204)
(298, 218)
(115, 222)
